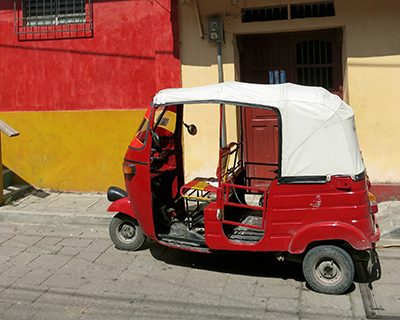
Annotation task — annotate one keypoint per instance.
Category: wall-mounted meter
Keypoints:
(215, 29)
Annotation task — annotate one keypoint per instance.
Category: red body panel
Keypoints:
(299, 214)
(122, 205)
(138, 187)
(329, 231)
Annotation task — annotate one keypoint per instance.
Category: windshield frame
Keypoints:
(143, 127)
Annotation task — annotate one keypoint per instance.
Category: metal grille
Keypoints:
(297, 11)
(265, 14)
(47, 16)
(312, 10)
(315, 63)
(54, 12)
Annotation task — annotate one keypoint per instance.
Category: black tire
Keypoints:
(126, 233)
(328, 269)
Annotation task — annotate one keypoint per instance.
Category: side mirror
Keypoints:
(192, 129)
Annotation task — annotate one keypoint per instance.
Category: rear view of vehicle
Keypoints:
(334, 231)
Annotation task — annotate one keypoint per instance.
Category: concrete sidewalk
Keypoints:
(55, 208)
(90, 208)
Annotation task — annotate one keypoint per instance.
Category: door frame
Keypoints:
(335, 35)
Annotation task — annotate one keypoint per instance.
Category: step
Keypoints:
(7, 178)
(15, 191)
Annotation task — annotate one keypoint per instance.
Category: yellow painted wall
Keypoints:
(371, 60)
(373, 63)
(376, 100)
(72, 150)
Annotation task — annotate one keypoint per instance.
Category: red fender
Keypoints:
(122, 205)
(329, 231)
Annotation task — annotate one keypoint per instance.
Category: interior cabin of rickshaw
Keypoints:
(243, 171)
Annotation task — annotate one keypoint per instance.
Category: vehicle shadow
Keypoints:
(260, 264)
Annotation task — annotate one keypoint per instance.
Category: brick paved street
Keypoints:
(69, 272)
(58, 262)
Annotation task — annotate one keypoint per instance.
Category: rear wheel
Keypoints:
(126, 233)
(328, 269)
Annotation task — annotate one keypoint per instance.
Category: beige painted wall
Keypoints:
(371, 60)
(373, 63)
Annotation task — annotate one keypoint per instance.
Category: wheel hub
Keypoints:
(127, 231)
(328, 269)
(328, 272)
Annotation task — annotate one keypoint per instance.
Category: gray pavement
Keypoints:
(58, 262)
(389, 219)
(55, 208)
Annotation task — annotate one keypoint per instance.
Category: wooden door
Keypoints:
(265, 54)
(308, 58)
(318, 59)
(261, 146)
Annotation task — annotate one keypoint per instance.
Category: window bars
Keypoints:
(289, 12)
(314, 63)
(53, 16)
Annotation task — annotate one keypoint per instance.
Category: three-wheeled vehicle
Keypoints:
(316, 209)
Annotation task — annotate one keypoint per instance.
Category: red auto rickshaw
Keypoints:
(316, 209)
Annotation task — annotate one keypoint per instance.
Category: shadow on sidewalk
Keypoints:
(256, 264)
(259, 264)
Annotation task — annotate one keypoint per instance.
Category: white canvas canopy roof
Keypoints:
(318, 131)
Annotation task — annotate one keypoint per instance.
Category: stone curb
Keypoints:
(60, 218)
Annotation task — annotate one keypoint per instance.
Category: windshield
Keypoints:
(141, 133)
(164, 124)
(165, 121)
(138, 140)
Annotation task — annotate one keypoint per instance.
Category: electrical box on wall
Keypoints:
(215, 29)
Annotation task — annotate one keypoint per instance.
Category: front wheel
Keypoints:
(328, 269)
(126, 233)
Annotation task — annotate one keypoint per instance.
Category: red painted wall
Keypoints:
(133, 53)
(386, 192)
